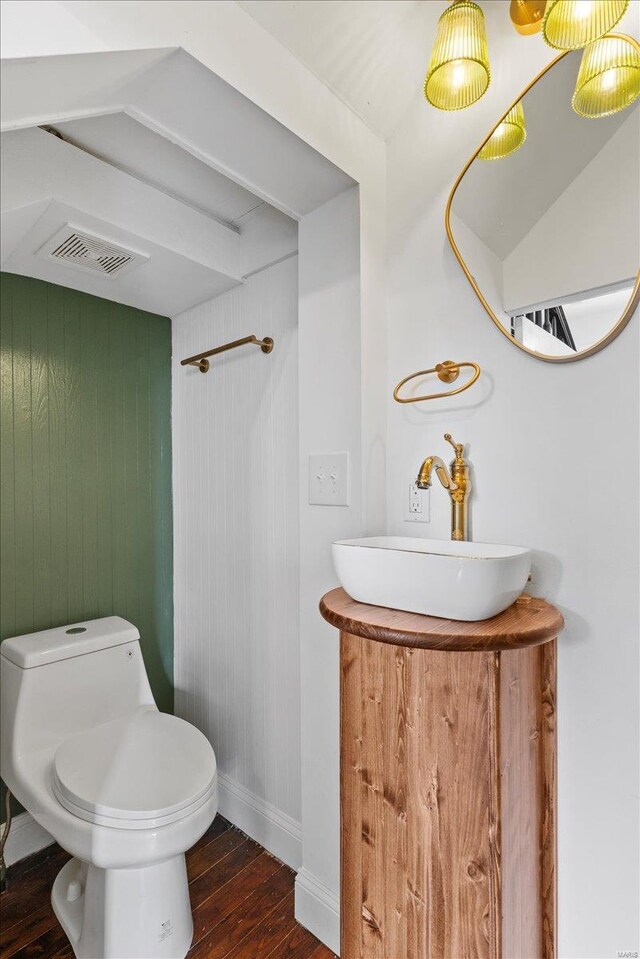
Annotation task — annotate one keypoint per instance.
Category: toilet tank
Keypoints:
(63, 681)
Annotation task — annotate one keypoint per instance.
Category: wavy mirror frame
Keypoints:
(635, 293)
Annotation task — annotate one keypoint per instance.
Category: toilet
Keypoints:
(124, 788)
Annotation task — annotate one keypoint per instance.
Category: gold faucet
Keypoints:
(457, 483)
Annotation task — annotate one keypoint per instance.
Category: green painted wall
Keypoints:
(85, 459)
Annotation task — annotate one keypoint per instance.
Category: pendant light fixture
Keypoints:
(608, 78)
(572, 24)
(507, 137)
(458, 72)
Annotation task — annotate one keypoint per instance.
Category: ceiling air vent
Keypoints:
(90, 253)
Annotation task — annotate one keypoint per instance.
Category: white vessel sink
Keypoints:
(467, 581)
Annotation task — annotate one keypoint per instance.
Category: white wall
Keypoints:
(590, 236)
(555, 463)
(330, 421)
(235, 493)
(243, 655)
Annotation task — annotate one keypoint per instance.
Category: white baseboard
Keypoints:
(26, 836)
(318, 909)
(278, 833)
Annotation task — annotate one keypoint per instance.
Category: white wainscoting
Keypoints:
(236, 546)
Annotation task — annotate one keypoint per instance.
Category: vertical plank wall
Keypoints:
(86, 513)
(235, 455)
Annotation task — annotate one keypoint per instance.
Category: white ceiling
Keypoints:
(502, 200)
(373, 54)
(47, 184)
(135, 149)
(153, 152)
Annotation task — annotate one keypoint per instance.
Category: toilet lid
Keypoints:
(146, 767)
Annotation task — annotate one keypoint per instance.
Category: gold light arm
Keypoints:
(447, 372)
(200, 359)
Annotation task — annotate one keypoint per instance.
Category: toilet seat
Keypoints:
(146, 770)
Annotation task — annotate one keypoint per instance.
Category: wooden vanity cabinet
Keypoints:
(448, 782)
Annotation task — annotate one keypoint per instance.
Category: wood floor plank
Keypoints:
(33, 886)
(218, 906)
(242, 922)
(37, 922)
(44, 946)
(67, 953)
(298, 944)
(202, 858)
(220, 872)
(320, 952)
(19, 869)
(273, 930)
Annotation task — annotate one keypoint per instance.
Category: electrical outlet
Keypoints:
(329, 479)
(417, 507)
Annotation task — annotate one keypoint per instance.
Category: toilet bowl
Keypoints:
(122, 787)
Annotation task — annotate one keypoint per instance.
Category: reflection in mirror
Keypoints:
(548, 227)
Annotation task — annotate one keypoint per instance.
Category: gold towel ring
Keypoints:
(447, 372)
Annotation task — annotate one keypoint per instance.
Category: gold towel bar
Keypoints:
(200, 359)
(447, 372)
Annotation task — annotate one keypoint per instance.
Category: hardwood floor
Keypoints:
(242, 901)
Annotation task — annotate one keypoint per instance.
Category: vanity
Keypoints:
(448, 784)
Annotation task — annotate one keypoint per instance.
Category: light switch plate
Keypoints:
(417, 504)
(329, 479)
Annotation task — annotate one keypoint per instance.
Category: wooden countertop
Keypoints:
(528, 622)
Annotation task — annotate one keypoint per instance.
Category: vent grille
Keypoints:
(91, 253)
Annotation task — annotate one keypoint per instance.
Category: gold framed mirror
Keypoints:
(544, 219)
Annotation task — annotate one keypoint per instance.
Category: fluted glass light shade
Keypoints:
(458, 72)
(507, 137)
(572, 24)
(609, 77)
